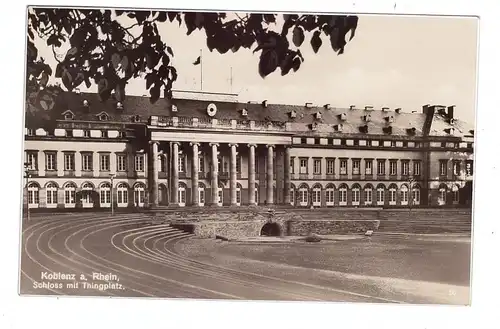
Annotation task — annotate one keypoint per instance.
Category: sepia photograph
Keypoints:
(261, 156)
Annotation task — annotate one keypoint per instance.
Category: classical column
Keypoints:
(214, 175)
(175, 174)
(154, 174)
(194, 175)
(270, 175)
(251, 174)
(287, 176)
(232, 184)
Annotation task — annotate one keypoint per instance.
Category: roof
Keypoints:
(305, 115)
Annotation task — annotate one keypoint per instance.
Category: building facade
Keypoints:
(208, 149)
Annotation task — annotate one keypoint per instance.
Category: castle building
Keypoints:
(208, 149)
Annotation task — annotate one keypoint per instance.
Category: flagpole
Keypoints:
(201, 71)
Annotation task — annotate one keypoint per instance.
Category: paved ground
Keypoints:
(142, 260)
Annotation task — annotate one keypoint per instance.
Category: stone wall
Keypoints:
(326, 227)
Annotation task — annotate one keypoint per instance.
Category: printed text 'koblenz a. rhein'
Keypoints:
(94, 281)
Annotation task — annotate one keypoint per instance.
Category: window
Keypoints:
(69, 161)
(31, 132)
(238, 195)
(469, 168)
(292, 165)
(456, 168)
(257, 201)
(139, 163)
(104, 133)
(343, 166)
(380, 196)
(303, 166)
(303, 196)
(33, 195)
(104, 162)
(368, 167)
(330, 196)
(201, 163)
(356, 164)
(32, 160)
(51, 190)
(105, 195)
(50, 161)
(226, 165)
(161, 163)
(405, 168)
(238, 164)
(381, 167)
(122, 195)
(87, 161)
(456, 194)
(442, 196)
(181, 159)
(201, 194)
(122, 134)
(343, 195)
(368, 195)
(292, 195)
(139, 194)
(87, 201)
(416, 168)
(121, 162)
(317, 166)
(443, 167)
(355, 196)
(404, 195)
(220, 196)
(330, 166)
(316, 196)
(393, 167)
(416, 195)
(392, 196)
(86, 133)
(69, 133)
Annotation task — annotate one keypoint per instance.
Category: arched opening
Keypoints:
(316, 195)
(86, 195)
(330, 195)
(105, 195)
(404, 195)
(182, 194)
(201, 194)
(270, 229)
(33, 195)
(139, 194)
(69, 195)
(51, 190)
(122, 193)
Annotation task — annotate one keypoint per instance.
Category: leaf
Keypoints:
(124, 63)
(162, 16)
(59, 70)
(169, 50)
(334, 39)
(352, 24)
(165, 59)
(102, 85)
(115, 60)
(120, 92)
(298, 36)
(296, 64)
(67, 25)
(87, 82)
(268, 62)
(67, 80)
(44, 80)
(155, 93)
(286, 64)
(198, 21)
(149, 80)
(44, 105)
(171, 16)
(316, 41)
(189, 19)
(71, 53)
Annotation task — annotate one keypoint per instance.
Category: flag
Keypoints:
(198, 60)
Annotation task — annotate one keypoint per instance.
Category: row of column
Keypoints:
(214, 174)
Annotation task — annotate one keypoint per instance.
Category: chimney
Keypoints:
(352, 107)
(327, 106)
(398, 110)
(368, 108)
(425, 108)
(309, 105)
(451, 110)
(385, 109)
(264, 103)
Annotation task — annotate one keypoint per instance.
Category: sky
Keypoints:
(393, 61)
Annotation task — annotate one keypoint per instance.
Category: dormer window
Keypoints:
(471, 132)
(293, 114)
(387, 130)
(136, 118)
(398, 110)
(364, 129)
(390, 118)
(339, 127)
(368, 108)
(309, 105)
(367, 117)
(352, 107)
(314, 126)
(343, 116)
(103, 116)
(68, 115)
(317, 115)
(328, 106)
(451, 121)
(450, 131)
(411, 131)
(264, 103)
(244, 112)
(174, 108)
(85, 103)
(385, 109)
(119, 106)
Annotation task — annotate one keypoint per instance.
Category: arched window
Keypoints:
(330, 195)
(415, 195)
(105, 195)
(404, 195)
(69, 195)
(161, 163)
(139, 194)
(257, 201)
(456, 194)
(33, 195)
(182, 194)
(392, 195)
(442, 195)
(51, 190)
(292, 194)
(87, 189)
(238, 194)
(356, 192)
(303, 195)
(368, 195)
(220, 195)
(343, 195)
(162, 194)
(316, 196)
(380, 195)
(201, 194)
(122, 195)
